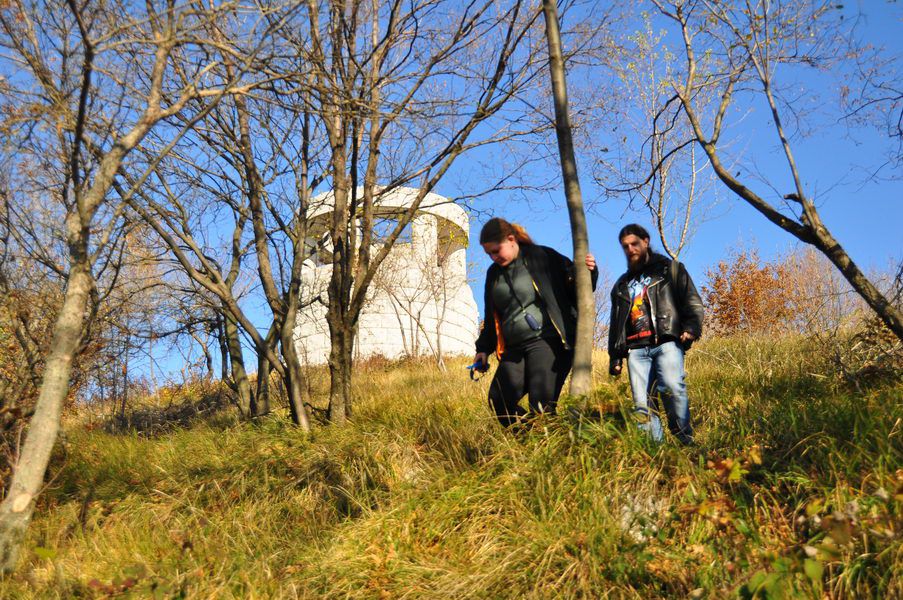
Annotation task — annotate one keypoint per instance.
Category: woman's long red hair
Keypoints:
(497, 229)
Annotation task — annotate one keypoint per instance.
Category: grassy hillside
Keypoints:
(795, 489)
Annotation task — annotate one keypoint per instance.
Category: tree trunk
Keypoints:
(340, 358)
(260, 403)
(295, 393)
(295, 389)
(236, 360)
(28, 477)
(346, 371)
(884, 308)
(581, 376)
(223, 348)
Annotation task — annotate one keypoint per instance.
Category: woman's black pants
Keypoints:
(537, 368)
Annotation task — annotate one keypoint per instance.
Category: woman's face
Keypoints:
(502, 253)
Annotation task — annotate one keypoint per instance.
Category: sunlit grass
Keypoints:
(796, 486)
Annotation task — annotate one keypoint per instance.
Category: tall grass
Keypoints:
(795, 488)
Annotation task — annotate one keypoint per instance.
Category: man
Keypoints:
(656, 314)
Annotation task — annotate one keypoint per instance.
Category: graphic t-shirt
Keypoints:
(640, 330)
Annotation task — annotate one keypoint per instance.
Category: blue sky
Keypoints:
(864, 214)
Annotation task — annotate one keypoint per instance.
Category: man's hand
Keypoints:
(482, 358)
(590, 262)
(686, 336)
(614, 368)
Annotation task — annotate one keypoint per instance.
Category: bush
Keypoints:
(801, 292)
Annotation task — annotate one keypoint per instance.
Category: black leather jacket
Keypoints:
(676, 306)
(553, 277)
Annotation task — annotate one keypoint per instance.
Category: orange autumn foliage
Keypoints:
(745, 294)
(799, 292)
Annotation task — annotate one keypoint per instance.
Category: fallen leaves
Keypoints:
(117, 586)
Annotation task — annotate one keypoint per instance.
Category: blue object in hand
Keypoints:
(480, 367)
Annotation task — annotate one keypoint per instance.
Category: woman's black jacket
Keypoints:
(553, 278)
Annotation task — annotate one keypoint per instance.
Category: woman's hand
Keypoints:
(481, 358)
(590, 262)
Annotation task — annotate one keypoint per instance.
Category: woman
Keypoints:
(530, 320)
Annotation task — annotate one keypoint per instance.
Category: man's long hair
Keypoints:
(634, 229)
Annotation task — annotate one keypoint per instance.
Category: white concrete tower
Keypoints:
(419, 303)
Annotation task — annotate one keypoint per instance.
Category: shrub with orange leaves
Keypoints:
(26, 321)
(799, 292)
(27, 317)
(745, 294)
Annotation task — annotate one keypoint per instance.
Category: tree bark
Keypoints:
(582, 373)
(347, 364)
(28, 477)
(340, 357)
(237, 363)
(884, 308)
(295, 388)
(261, 401)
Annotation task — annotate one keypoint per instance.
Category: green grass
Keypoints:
(795, 489)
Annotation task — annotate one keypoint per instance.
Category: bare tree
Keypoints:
(132, 296)
(675, 185)
(402, 279)
(582, 373)
(602, 298)
(421, 280)
(77, 72)
(402, 89)
(872, 96)
(246, 161)
(122, 322)
(737, 49)
(179, 222)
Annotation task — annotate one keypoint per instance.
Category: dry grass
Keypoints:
(796, 489)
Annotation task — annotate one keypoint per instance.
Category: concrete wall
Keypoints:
(419, 304)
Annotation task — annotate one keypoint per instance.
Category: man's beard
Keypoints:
(635, 264)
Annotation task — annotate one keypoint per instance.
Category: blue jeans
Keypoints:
(660, 368)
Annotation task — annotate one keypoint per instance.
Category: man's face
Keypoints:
(502, 253)
(636, 249)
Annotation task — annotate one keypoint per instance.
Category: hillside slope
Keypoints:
(795, 488)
